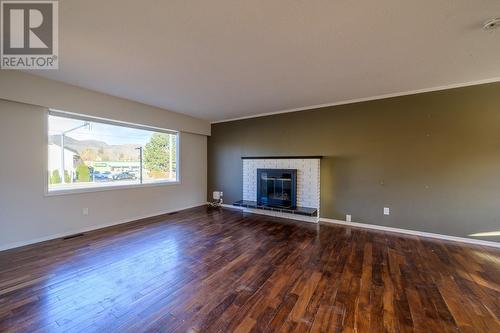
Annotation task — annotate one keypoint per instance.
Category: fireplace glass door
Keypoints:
(277, 187)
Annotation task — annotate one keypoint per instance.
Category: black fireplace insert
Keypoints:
(277, 187)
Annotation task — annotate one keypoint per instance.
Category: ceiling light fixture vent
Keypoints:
(492, 24)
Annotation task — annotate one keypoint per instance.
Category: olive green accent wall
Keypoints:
(432, 158)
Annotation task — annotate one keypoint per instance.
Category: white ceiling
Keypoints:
(223, 59)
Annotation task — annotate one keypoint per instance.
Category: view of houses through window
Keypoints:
(86, 153)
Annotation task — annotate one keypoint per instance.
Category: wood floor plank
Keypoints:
(204, 270)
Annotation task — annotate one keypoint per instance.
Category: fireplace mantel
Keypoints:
(280, 157)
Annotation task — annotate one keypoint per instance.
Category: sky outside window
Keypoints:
(111, 134)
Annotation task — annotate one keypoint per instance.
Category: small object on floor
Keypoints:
(216, 200)
(215, 203)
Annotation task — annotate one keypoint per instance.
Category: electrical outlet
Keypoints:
(348, 218)
(387, 211)
(221, 194)
(85, 211)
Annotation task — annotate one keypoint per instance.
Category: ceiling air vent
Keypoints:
(492, 24)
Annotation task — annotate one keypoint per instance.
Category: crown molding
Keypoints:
(365, 99)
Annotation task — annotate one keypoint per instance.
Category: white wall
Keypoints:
(25, 88)
(27, 215)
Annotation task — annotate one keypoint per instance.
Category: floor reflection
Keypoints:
(105, 284)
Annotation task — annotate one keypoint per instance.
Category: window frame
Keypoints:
(90, 189)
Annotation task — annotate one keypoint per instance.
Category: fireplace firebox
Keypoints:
(277, 188)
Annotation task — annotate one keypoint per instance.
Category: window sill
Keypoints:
(69, 191)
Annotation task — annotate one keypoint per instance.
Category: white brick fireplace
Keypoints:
(308, 177)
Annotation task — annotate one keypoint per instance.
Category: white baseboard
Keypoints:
(261, 212)
(412, 232)
(304, 218)
(87, 229)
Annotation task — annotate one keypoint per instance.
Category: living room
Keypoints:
(249, 166)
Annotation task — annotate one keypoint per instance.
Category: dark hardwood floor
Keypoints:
(225, 271)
